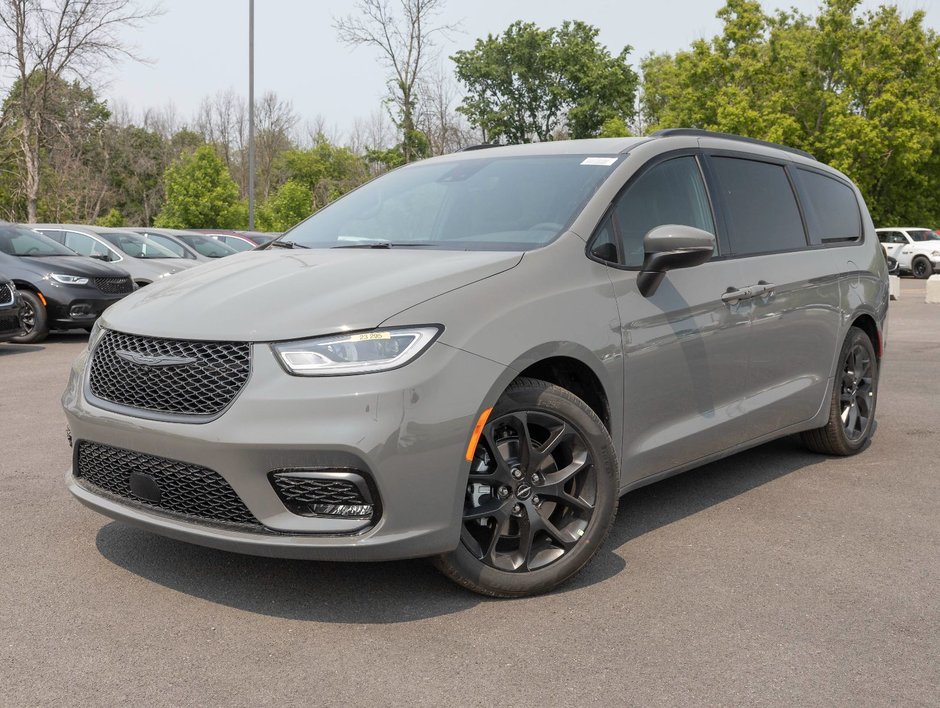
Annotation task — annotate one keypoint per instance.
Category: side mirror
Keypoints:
(669, 247)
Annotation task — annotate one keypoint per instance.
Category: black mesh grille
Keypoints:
(114, 285)
(9, 324)
(169, 375)
(6, 294)
(297, 490)
(326, 495)
(184, 489)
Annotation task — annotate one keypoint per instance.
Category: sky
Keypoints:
(200, 47)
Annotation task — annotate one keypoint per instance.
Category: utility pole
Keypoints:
(251, 115)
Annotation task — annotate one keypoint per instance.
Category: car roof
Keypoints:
(903, 228)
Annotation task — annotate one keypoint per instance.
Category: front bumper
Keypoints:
(73, 306)
(407, 429)
(10, 323)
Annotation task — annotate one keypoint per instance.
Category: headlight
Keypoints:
(360, 353)
(69, 279)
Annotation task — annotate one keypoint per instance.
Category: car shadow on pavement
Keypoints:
(11, 349)
(403, 591)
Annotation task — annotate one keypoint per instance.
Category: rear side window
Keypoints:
(760, 206)
(831, 209)
(671, 192)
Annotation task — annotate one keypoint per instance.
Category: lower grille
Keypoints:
(6, 294)
(114, 286)
(10, 324)
(170, 486)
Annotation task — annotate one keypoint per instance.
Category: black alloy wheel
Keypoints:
(857, 393)
(34, 319)
(852, 403)
(921, 268)
(541, 494)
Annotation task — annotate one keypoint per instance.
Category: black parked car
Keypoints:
(59, 289)
(10, 304)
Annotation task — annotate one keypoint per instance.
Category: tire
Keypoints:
(535, 514)
(921, 268)
(853, 401)
(35, 319)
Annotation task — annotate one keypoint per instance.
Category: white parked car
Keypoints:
(916, 250)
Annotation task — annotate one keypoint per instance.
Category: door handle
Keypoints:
(733, 296)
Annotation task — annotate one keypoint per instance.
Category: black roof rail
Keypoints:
(698, 132)
(481, 146)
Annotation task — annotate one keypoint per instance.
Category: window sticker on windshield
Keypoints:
(600, 161)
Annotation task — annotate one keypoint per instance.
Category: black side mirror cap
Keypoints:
(669, 247)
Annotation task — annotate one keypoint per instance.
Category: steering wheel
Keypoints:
(545, 226)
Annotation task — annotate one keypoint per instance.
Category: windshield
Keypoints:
(207, 246)
(20, 241)
(923, 235)
(504, 203)
(169, 244)
(135, 245)
(238, 244)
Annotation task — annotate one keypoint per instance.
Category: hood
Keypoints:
(70, 265)
(290, 294)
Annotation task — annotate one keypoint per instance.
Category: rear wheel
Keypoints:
(34, 318)
(921, 267)
(852, 406)
(541, 495)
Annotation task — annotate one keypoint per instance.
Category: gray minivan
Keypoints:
(475, 356)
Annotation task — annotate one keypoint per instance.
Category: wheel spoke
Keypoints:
(501, 473)
(566, 473)
(526, 534)
(502, 528)
(491, 508)
(558, 494)
(852, 421)
(556, 435)
(564, 540)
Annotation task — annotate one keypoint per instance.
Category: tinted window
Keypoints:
(207, 246)
(135, 245)
(84, 245)
(476, 203)
(236, 244)
(169, 244)
(20, 241)
(760, 206)
(671, 192)
(831, 209)
(922, 235)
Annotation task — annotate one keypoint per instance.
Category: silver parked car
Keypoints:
(188, 244)
(146, 260)
(475, 356)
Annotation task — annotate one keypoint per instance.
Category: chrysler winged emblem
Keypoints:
(144, 360)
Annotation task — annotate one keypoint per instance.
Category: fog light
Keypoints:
(363, 511)
(80, 311)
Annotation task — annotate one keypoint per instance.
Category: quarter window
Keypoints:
(671, 192)
(832, 210)
(84, 245)
(761, 208)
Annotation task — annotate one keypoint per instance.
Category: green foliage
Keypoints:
(113, 219)
(289, 205)
(326, 171)
(200, 193)
(531, 83)
(614, 128)
(859, 90)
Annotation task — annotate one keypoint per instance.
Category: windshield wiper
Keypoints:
(387, 244)
(285, 244)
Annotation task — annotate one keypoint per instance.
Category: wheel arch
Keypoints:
(572, 367)
(867, 324)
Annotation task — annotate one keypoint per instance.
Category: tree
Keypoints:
(200, 193)
(46, 41)
(859, 90)
(533, 84)
(406, 43)
(289, 205)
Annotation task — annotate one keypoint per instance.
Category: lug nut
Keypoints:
(517, 509)
(503, 492)
(536, 500)
(536, 478)
(516, 473)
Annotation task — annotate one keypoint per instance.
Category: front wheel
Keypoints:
(541, 496)
(34, 318)
(852, 406)
(921, 268)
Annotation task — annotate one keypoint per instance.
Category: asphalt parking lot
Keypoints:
(773, 577)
